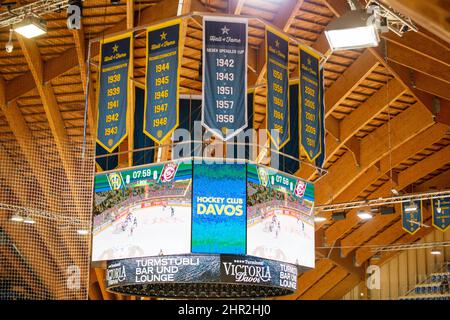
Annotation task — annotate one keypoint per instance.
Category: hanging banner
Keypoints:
(112, 90)
(441, 213)
(412, 216)
(162, 80)
(319, 162)
(224, 111)
(277, 60)
(310, 103)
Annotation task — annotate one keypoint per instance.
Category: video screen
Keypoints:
(142, 211)
(280, 220)
(219, 208)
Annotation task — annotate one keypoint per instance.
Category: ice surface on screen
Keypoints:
(142, 212)
(280, 224)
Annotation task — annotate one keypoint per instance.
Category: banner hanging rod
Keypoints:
(202, 14)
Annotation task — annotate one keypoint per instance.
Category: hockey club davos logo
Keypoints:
(115, 180)
(168, 172)
(263, 176)
(300, 188)
(115, 274)
(247, 271)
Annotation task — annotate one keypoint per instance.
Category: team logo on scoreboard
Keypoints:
(263, 176)
(300, 188)
(115, 180)
(168, 172)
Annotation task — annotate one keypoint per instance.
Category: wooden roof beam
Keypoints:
(69, 58)
(391, 235)
(439, 182)
(342, 288)
(407, 150)
(373, 148)
(307, 279)
(80, 46)
(283, 20)
(406, 177)
(324, 285)
(420, 63)
(431, 14)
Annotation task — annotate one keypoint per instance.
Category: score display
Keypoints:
(192, 207)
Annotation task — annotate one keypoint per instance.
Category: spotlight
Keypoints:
(364, 215)
(320, 219)
(16, 218)
(387, 210)
(436, 252)
(82, 232)
(9, 46)
(31, 27)
(395, 192)
(353, 30)
(29, 220)
(411, 207)
(115, 2)
(339, 215)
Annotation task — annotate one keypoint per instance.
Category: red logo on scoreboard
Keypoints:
(168, 172)
(300, 188)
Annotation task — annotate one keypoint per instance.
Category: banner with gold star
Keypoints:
(162, 80)
(310, 103)
(112, 90)
(412, 216)
(224, 111)
(277, 61)
(440, 209)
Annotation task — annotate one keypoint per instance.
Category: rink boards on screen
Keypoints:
(197, 207)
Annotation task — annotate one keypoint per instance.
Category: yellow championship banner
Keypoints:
(277, 105)
(112, 90)
(163, 64)
(310, 103)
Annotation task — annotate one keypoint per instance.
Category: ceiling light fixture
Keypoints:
(364, 215)
(411, 207)
(82, 232)
(31, 27)
(320, 219)
(436, 252)
(16, 217)
(29, 220)
(353, 30)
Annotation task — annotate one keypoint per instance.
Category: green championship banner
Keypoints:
(277, 60)
(112, 90)
(441, 213)
(224, 111)
(162, 80)
(412, 216)
(310, 103)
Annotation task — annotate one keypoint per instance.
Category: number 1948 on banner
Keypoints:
(162, 78)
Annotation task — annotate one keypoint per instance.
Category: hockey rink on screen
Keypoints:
(151, 231)
(288, 239)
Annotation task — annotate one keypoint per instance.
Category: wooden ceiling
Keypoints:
(384, 127)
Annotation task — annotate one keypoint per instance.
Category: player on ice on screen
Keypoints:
(172, 212)
(277, 230)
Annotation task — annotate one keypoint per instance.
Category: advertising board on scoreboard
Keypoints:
(191, 207)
